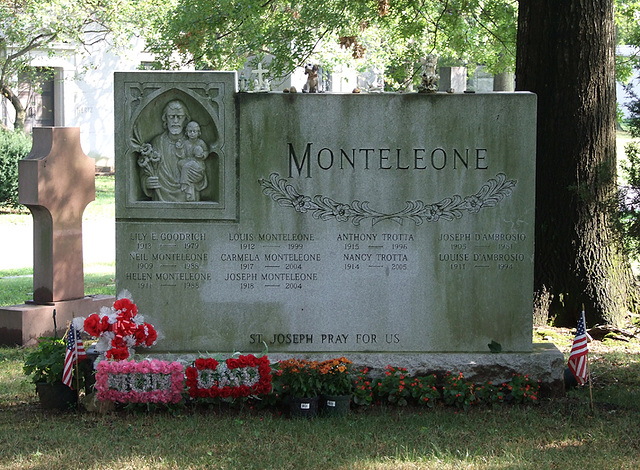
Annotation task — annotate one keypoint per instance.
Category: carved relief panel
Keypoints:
(175, 145)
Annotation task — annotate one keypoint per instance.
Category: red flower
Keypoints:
(92, 325)
(118, 354)
(140, 335)
(152, 334)
(127, 308)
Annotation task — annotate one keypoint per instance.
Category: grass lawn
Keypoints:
(559, 433)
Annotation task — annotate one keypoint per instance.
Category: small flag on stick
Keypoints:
(75, 352)
(579, 351)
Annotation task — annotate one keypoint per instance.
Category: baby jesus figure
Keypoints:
(191, 164)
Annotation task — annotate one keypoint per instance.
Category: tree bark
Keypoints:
(566, 56)
(21, 113)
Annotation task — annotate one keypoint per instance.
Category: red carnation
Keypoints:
(92, 325)
(118, 354)
(152, 335)
(104, 324)
(127, 308)
(140, 335)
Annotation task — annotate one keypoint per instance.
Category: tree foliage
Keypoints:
(30, 26)
(223, 34)
(627, 17)
(14, 146)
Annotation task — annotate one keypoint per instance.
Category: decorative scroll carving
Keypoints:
(325, 208)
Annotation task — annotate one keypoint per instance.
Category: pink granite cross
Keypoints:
(56, 181)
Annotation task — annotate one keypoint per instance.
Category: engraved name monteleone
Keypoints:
(384, 159)
(271, 237)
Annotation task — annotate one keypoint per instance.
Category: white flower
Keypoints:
(104, 342)
(113, 317)
(124, 294)
(78, 323)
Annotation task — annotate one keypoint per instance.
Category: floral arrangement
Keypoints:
(300, 378)
(335, 376)
(140, 382)
(236, 377)
(523, 389)
(457, 391)
(394, 385)
(119, 329)
(424, 390)
(488, 393)
(362, 388)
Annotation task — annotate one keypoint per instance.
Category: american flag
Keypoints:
(579, 351)
(75, 352)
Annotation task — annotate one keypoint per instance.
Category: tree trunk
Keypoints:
(21, 113)
(566, 56)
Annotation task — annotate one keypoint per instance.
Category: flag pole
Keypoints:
(75, 347)
(588, 365)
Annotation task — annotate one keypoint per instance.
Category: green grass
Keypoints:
(104, 205)
(560, 433)
(17, 290)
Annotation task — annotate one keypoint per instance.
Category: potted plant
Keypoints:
(45, 365)
(336, 386)
(301, 381)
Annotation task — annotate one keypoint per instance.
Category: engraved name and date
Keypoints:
(295, 261)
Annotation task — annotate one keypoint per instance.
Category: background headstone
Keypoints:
(56, 182)
(504, 81)
(452, 78)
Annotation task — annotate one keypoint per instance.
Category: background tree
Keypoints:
(223, 34)
(28, 26)
(627, 17)
(566, 56)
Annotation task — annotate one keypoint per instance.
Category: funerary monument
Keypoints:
(366, 225)
(56, 181)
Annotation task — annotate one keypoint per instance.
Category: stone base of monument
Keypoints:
(24, 324)
(545, 363)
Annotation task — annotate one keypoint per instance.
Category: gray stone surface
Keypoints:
(453, 78)
(146, 147)
(377, 223)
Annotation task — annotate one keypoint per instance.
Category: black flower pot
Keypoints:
(303, 407)
(56, 396)
(336, 405)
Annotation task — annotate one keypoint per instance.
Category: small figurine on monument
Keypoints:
(429, 76)
(312, 79)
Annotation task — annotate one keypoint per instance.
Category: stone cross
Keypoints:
(260, 72)
(56, 181)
